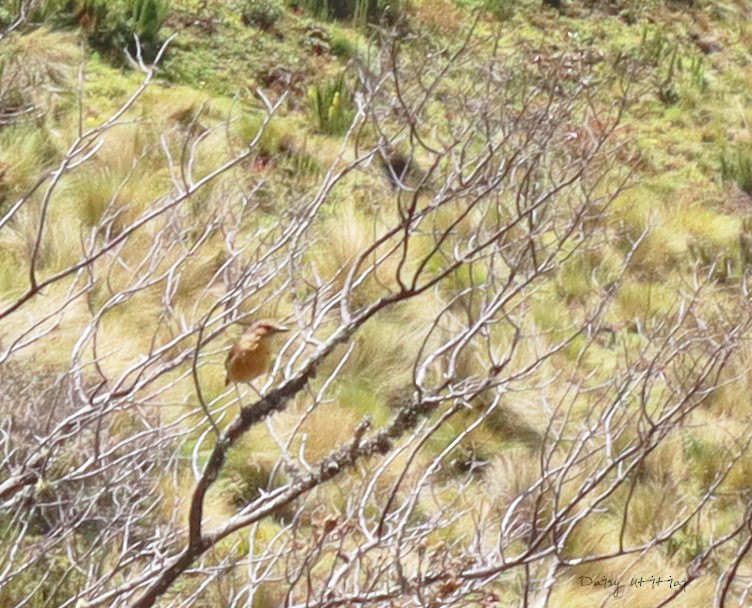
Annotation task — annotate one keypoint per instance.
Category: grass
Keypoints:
(678, 205)
(344, 236)
(510, 474)
(37, 69)
(358, 395)
(275, 136)
(25, 152)
(377, 370)
(643, 302)
(332, 106)
(736, 167)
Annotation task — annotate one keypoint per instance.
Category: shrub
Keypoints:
(111, 25)
(501, 9)
(6, 16)
(142, 18)
(342, 46)
(359, 11)
(262, 13)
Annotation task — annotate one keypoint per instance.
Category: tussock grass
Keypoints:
(94, 193)
(709, 448)
(519, 420)
(733, 399)
(275, 135)
(248, 469)
(105, 89)
(60, 244)
(576, 278)
(479, 446)
(197, 274)
(640, 302)
(643, 213)
(665, 247)
(600, 534)
(126, 334)
(244, 478)
(342, 238)
(327, 427)
(460, 503)
(662, 467)
(634, 208)
(357, 394)
(37, 67)
(509, 474)
(183, 105)
(652, 509)
(676, 204)
(383, 355)
(715, 237)
(551, 315)
(25, 152)
(107, 196)
(705, 454)
(12, 282)
(64, 326)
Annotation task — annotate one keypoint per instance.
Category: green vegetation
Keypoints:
(736, 167)
(673, 247)
(332, 106)
(262, 13)
(358, 11)
(112, 26)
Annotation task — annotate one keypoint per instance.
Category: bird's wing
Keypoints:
(231, 355)
(250, 342)
(244, 345)
(247, 346)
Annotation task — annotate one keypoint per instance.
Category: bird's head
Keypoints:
(265, 327)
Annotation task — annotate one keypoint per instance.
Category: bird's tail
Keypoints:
(227, 380)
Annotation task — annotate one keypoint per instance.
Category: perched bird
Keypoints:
(249, 357)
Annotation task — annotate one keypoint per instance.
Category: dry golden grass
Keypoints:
(509, 474)
(321, 435)
(54, 350)
(382, 354)
(24, 154)
(439, 16)
(645, 301)
(130, 173)
(733, 398)
(38, 67)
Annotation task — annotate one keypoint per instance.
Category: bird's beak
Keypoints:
(280, 328)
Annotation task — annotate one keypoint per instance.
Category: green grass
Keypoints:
(680, 202)
(332, 107)
(736, 167)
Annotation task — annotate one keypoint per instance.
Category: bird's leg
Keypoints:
(255, 390)
(240, 400)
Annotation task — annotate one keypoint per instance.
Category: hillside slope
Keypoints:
(513, 243)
